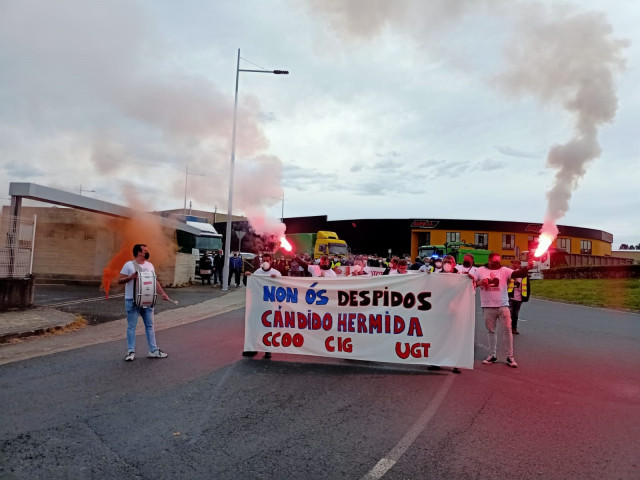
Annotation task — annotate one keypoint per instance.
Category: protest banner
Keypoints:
(411, 319)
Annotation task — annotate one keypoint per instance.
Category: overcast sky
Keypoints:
(497, 110)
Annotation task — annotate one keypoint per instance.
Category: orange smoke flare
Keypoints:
(143, 229)
(284, 243)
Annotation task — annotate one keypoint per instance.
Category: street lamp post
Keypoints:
(227, 243)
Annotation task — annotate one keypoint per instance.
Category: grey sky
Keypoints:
(392, 109)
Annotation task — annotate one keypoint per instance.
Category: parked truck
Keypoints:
(457, 249)
(207, 240)
(560, 258)
(318, 244)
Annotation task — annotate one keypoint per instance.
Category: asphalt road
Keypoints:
(571, 411)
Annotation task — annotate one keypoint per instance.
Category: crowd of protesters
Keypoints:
(211, 265)
(502, 289)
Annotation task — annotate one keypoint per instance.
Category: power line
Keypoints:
(253, 63)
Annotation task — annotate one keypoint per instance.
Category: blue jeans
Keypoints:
(132, 321)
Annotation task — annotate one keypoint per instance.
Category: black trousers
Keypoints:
(217, 275)
(236, 274)
(514, 307)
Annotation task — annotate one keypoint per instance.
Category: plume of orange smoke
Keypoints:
(145, 229)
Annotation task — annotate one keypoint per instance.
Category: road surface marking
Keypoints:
(82, 300)
(385, 464)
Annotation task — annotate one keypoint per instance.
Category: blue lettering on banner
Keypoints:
(279, 294)
(318, 297)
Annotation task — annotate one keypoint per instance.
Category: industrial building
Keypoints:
(78, 242)
(386, 237)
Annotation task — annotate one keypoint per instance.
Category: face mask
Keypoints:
(466, 263)
(146, 256)
(494, 265)
(447, 267)
(265, 265)
(438, 264)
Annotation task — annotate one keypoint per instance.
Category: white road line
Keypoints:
(385, 464)
(83, 300)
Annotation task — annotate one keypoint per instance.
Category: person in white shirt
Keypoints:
(266, 268)
(128, 274)
(359, 268)
(323, 269)
(426, 266)
(493, 282)
(402, 268)
(393, 267)
(448, 264)
(467, 265)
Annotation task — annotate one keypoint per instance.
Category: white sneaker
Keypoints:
(157, 354)
(512, 362)
(130, 357)
(490, 359)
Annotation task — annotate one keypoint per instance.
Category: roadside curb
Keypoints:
(6, 338)
(37, 321)
(37, 346)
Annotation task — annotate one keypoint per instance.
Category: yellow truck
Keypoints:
(318, 244)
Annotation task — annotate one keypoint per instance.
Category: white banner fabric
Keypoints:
(412, 319)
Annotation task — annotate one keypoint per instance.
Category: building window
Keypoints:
(424, 238)
(481, 239)
(508, 242)
(564, 244)
(585, 247)
(453, 237)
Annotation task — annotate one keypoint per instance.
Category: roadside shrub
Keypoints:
(593, 271)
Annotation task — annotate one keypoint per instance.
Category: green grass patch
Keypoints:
(617, 293)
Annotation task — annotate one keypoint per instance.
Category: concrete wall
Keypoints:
(633, 254)
(185, 268)
(75, 245)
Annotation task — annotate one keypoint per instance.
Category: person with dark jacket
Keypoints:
(519, 290)
(218, 267)
(206, 268)
(417, 264)
(235, 268)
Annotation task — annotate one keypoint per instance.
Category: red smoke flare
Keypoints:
(544, 242)
(284, 243)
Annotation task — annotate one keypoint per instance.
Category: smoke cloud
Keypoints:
(102, 77)
(557, 54)
(570, 57)
(143, 228)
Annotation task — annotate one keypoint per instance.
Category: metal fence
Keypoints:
(17, 236)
